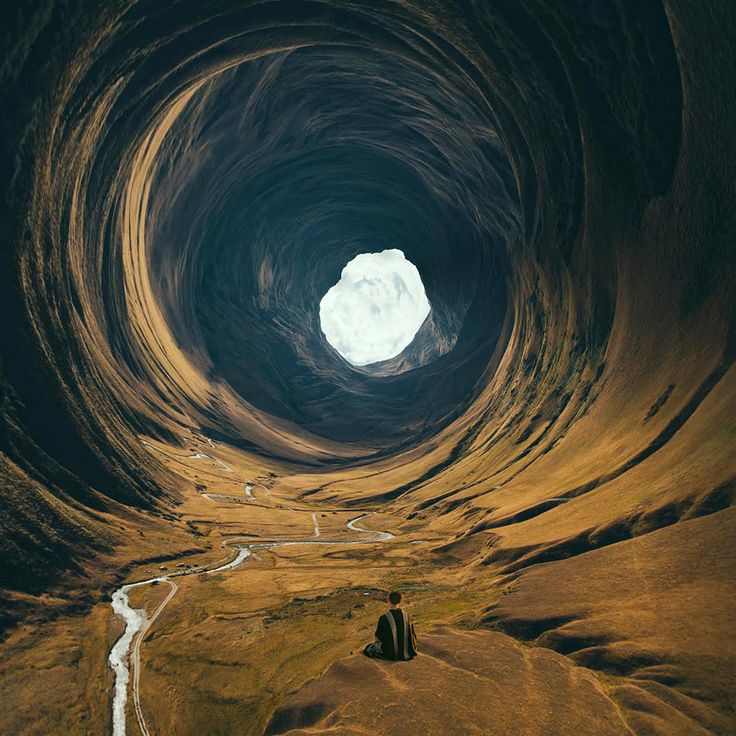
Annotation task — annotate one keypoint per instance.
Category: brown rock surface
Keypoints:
(461, 683)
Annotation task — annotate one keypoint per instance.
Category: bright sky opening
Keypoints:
(376, 308)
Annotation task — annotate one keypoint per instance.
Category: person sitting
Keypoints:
(395, 636)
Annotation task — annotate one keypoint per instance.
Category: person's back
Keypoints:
(395, 635)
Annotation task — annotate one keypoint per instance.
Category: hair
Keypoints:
(394, 597)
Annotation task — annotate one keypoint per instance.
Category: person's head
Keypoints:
(394, 597)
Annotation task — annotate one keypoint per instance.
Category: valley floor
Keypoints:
(272, 644)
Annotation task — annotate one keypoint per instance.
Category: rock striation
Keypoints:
(182, 182)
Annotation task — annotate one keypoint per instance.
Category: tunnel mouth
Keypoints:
(374, 312)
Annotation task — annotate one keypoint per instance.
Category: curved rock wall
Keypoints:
(185, 181)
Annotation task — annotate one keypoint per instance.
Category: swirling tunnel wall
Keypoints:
(186, 180)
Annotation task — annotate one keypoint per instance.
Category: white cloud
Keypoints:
(373, 312)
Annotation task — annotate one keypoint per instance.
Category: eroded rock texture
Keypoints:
(184, 181)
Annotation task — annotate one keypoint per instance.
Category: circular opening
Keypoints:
(376, 308)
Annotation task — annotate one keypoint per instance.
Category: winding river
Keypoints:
(124, 656)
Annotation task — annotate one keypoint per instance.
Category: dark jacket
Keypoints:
(395, 631)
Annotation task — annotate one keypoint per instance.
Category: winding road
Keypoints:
(137, 623)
